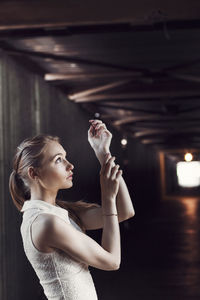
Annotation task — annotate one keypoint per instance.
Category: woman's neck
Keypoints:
(44, 195)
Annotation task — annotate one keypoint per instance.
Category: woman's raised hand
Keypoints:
(109, 178)
(99, 136)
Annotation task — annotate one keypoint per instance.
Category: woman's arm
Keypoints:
(92, 218)
(100, 138)
(124, 203)
(56, 233)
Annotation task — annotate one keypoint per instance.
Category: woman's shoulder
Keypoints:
(39, 228)
(46, 219)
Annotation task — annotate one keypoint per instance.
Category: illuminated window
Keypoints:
(188, 173)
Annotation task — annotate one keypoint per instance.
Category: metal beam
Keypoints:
(5, 47)
(158, 118)
(48, 14)
(148, 95)
(94, 90)
(161, 132)
(57, 77)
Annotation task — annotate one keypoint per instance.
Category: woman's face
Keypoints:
(55, 168)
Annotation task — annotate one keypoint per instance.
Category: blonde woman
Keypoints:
(54, 231)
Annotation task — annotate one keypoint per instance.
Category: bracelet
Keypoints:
(110, 215)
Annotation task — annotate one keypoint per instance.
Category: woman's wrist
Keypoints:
(108, 215)
(109, 206)
(100, 154)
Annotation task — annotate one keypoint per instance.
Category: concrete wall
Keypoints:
(28, 106)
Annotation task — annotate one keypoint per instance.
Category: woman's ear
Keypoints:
(32, 174)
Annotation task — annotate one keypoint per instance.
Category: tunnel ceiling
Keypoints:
(142, 75)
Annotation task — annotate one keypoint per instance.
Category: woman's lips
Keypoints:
(70, 177)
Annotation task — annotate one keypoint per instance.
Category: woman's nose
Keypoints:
(70, 166)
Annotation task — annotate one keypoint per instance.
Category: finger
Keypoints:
(94, 122)
(100, 129)
(109, 165)
(94, 128)
(99, 125)
(105, 162)
(112, 163)
(108, 156)
(119, 173)
(91, 131)
(114, 171)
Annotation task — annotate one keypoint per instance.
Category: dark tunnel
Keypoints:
(135, 68)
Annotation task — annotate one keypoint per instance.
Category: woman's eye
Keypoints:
(58, 159)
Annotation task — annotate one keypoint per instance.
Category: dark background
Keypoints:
(154, 44)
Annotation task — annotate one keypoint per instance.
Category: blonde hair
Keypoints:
(30, 152)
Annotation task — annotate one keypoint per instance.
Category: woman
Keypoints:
(53, 231)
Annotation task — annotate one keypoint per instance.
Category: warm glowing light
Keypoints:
(188, 173)
(124, 142)
(188, 156)
(191, 206)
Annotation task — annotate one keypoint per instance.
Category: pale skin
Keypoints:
(50, 232)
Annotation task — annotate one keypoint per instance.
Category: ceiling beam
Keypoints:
(166, 148)
(4, 46)
(48, 14)
(152, 141)
(180, 151)
(169, 132)
(67, 30)
(184, 77)
(148, 95)
(149, 112)
(181, 67)
(79, 76)
(164, 140)
(168, 126)
(145, 117)
(91, 91)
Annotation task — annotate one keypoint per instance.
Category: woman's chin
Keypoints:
(68, 184)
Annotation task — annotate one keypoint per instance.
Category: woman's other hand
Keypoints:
(109, 179)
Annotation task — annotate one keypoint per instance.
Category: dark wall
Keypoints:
(23, 112)
(28, 106)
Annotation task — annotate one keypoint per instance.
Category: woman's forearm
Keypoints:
(111, 232)
(123, 201)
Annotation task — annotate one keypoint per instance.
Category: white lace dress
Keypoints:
(61, 277)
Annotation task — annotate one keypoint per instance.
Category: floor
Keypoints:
(160, 256)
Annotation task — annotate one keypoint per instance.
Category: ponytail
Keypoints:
(19, 191)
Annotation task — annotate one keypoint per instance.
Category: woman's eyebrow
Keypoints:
(56, 155)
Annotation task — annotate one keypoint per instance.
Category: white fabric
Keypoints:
(61, 277)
